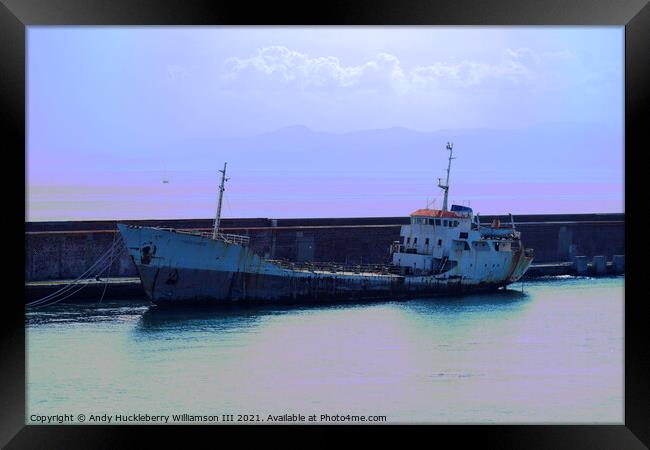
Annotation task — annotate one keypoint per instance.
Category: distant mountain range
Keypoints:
(298, 172)
(550, 148)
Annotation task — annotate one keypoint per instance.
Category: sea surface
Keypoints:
(550, 354)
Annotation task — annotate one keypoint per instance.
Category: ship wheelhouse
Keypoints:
(435, 241)
(439, 240)
(431, 237)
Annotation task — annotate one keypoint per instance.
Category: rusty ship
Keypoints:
(440, 252)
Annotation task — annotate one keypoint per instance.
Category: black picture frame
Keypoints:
(634, 15)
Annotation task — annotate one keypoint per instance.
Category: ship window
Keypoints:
(426, 241)
(438, 222)
(444, 223)
(408, 240)
(415, 240)
(455, 223)
(439, 241)
(463, 235)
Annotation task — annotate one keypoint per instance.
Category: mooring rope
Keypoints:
(70, 285)
(73, 282)
(109, 268)
(76, 282)
(52, 301)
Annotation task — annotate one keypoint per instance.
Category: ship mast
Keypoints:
(445, 186)
(222, 188)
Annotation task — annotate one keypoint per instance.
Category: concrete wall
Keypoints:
(61, 250)
(65, 255)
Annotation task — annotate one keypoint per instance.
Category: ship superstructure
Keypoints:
(453, 242)
(439, 252)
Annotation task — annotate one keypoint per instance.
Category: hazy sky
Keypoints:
(113, 110)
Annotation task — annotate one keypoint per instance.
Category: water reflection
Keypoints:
(76, 312)
(154, 317)
(241, 316)
(507, 299)
(187, 318)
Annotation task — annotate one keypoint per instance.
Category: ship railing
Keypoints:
(333, 267)
(230, 238)
(234, 238)
(177, 230)
(510, 235)
(195, 233)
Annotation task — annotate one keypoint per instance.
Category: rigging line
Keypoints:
(73, 282)
(42, 305)
(54, 302)
(58, 293)
(110, 266)
(228, 206)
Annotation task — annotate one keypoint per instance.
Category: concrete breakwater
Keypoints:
(65, 250)
(579, 267)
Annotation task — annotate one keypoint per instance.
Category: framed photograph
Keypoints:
(365, 216)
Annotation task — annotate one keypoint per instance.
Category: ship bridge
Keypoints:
(431, 233)
(453, 242)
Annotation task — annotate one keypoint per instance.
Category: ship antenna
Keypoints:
(445, 186)
(222, 188)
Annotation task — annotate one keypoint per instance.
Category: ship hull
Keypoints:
(178, 268)
(209, 286)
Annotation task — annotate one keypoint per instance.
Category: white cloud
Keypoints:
(290, 67)
(281, 66)
(516, 66)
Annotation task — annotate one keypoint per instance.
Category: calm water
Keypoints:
(552, 354)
